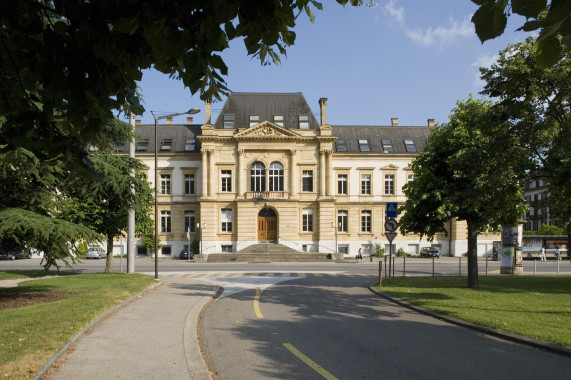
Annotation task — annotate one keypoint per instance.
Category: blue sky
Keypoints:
(410, 59)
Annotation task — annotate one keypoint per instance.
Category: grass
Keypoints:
(31, 335)
(534, 306)
(16, 274)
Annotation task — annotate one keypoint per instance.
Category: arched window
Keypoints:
(276, 177)
(258, 177)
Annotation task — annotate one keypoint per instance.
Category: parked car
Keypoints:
(184, 255)
(12, 255)
(95, 253)
(429, 252)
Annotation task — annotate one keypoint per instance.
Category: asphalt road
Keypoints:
(323, 326)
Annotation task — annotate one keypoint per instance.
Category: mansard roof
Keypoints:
(179, 134)
(266, 105)
(375, 136)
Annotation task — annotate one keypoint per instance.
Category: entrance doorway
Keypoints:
(267, 225)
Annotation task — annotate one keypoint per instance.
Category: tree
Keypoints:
(103, 203)
(552, 19)
(534, 106)
(464, 175)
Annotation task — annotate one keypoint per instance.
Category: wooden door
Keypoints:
(267, 228)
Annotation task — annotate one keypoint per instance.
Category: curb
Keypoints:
(43, 371)
(194, 359)
(535, 343)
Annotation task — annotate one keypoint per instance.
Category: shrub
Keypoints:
(401, 252)
(379, 250)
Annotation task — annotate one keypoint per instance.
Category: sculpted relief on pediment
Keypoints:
(266, 129)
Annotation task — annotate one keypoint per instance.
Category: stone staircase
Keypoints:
(267, 252)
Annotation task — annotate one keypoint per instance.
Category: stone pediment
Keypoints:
(390, 167)
(266, 129)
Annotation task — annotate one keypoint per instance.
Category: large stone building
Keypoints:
(268, 171)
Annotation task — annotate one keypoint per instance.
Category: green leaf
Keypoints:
(310, 14)
(490, 20)
(548, 51)
(529, 8)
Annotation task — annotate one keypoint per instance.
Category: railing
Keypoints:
(265, 194)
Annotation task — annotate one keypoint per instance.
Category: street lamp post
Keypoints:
(333, 226)
(157, 118)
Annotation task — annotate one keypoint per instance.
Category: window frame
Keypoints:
(226, 220)
(387, 146)
(303, 121)
(341, 145)
(166, 223)
(366, 183)
(254, 120)
(279, 120)
(343, 221)
(307, 181)
(226, 180)
(364, 145)
(366, 221)
(189, 184)
(276, 177)
(258, 177)
(228, 121)
(389, 183)
(342, 184)
(189, 220)
(166, 188)
(307, 220)
(409, 146)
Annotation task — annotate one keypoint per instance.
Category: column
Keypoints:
(204, 172)
(330, 176)
(211, 172)
(292, 174)
(240, 182)
(322, 170)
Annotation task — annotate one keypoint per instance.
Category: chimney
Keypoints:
(189, 120)
(138, 122)
(169, 120)
(431, 122)
(207, 105)
(323, 104)
(394, 121)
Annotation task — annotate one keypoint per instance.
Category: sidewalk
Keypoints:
(153, 337)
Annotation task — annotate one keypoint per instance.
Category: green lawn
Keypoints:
(31, 335)
(535, 306)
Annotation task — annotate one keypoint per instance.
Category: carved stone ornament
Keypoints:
(266, 131)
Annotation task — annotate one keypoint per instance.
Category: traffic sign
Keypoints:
(390, 236)
(391, 209)
(390, 225)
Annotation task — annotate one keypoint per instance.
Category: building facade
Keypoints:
(268, 171)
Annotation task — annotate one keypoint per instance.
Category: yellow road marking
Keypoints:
(317, 274)
(221, 275)
(238, 275)
(316, 367)
(285, 274)
(270, 274)
(301, 275)
(333, 274)
(208, 275)
(257, 304)
(179, 275)
(193, 275)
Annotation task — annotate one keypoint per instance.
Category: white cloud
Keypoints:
(482, 61)
(441, 35)
(396, 12)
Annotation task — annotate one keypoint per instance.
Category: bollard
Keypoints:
(460, 266)
(385, 266)
(404, 266)
(534, 266)
(557, 266)
(394, 266)
(432, 266)
(486, 266)
(380, 273)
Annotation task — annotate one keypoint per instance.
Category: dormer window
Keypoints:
(166, 145)
(341, 145)
(143, 145)
(279, 120)
(387, 146)
(254, 120)
(228, 121)
(409, 145)
(189, 145)
(303, 122)
(364, 146)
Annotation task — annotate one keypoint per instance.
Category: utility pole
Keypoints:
(131, 215)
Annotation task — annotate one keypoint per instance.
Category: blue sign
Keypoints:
(391, 210)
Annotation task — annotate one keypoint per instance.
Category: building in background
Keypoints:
(268, 171)
(536, 193)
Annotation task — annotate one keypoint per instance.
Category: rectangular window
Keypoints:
(307, 180)
(226, 248)
(166, 222)
(165, 184)
(226, 180)
(366, 217)
(410, 177)
(166, 145)
(142, 145)
(190, 145)
(226, 218)
(342, 180)
(303, 122)
(189, 221)
(341, 145)
(389, 184)
(279, 120)
(366, 184)
(409, 145)
(228, 121)
(342, 221)
(166, 250)
(254, 120)
(189, 183)
(343, 249)
(387, 146)
(364, 146)
(307, 220)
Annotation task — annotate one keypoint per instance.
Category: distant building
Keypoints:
(268, 171)
(536, 193)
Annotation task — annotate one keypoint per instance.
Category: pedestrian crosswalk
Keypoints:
(211, 275)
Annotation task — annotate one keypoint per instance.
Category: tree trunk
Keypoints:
(472, 254)
(109, 258)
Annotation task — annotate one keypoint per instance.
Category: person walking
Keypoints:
(359, 256)
(542, 254)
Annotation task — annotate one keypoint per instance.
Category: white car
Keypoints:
(95, 253)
